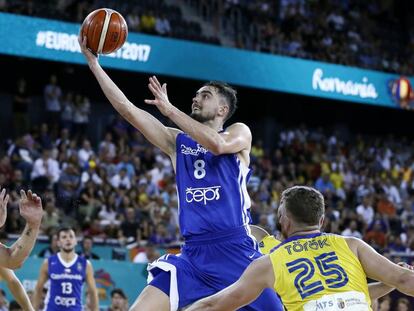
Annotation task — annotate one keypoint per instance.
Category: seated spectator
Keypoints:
(147, 255)
(352, 230)
(119, 301)
(87, 245)
(51, 218)
(52, 249)
(121, 179)
(324, 184)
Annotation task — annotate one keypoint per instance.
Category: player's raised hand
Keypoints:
(161, 97)
(31, 207)
(4, 199)
(90, 57)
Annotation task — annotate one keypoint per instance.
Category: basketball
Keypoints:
(105, 30)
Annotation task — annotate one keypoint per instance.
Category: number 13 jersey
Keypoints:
(319, 272)
(211, 189)
(66, 282)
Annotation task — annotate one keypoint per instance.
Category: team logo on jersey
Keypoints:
(67, 270)
(202, 194)
(193, 151)
(341, 303)
(79, 266)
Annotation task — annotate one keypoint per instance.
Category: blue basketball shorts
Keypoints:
(206, 265)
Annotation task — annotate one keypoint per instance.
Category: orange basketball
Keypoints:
(105, 30)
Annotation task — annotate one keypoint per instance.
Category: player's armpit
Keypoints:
(379, 268)
(236, 138)
(258, 276)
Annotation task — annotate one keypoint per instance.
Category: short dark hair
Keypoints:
(229, 93)
(64, 229)
(305, 204)
(118, 291)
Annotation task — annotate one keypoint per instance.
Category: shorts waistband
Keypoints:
(217, 237)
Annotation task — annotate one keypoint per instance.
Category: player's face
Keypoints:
(206, 104)
(67, 241)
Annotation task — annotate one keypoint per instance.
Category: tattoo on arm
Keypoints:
(29, 232)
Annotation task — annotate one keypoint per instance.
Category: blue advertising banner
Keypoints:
(57, 41)
(109, 274)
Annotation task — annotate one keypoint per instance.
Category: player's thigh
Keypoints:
(151, 299)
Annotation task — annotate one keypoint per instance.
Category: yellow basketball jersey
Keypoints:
(319, 272)
(267, 244)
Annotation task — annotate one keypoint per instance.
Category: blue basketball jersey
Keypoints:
(211, 189)
(66, 282)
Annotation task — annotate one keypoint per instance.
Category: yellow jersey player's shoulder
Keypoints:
(268, 243)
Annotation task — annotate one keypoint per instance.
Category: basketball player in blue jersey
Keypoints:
(211, 164)
(67, 272)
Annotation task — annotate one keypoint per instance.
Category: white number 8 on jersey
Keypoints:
(199, 171)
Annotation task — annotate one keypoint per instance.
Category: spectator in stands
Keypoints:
(130, 228)
(53, 247)
(87, 245)
(52, 97)
(81, 112)
(68, 107)
(365, 210)
(148, 22)
(147, 255)
(403, 304)
(121, 179)
(162, 25)
(45, 172)
(119, 301)
(51, 218)
(21, 102)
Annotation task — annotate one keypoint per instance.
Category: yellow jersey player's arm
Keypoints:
(379, 268)
(258, 233)
(16, 288)
(93, 292)
(258, 276)
(153, 130)
(41, 281)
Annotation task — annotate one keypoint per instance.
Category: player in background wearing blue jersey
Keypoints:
(67, 272)
(212, 168)
(30, 207)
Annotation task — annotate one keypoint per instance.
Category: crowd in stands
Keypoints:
(368, 34)
(147, 16)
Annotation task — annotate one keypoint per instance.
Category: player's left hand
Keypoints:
(161, 97)
(4, 199)
(31, 207)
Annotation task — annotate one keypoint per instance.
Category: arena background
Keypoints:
(301, 133)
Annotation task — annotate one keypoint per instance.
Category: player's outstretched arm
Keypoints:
(153, 130)
(16, 288)
(93, 292)
(31, 210)
(41, 281)
(378, 289)
(258, 276)
(236, 138)
(379, 268)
